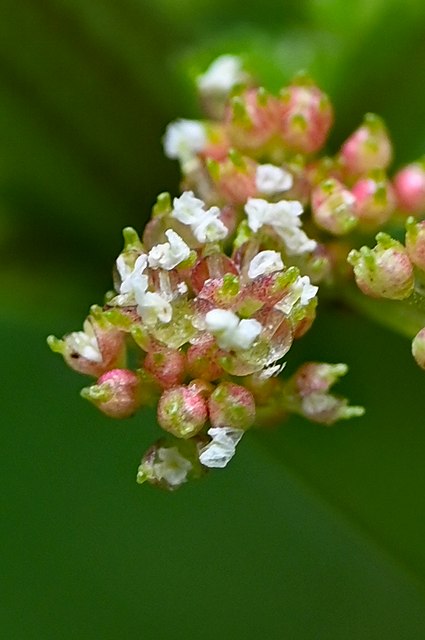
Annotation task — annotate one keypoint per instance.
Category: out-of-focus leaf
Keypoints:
(249, 552)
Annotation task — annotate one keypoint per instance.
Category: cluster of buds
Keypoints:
(208, 302)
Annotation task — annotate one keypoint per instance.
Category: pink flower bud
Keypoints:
(333, 207)
(231, 405)
(415, 242)
(117, 393)
(234, 178)
(384, 271)
(306, 116)
(306, 393)
(409, 184)
(375, 200)
(368, 148)
(418, 348)
(252, 120)
(166, 365)
(182, 411)
(202, 359)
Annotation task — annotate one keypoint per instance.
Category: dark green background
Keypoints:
(311, 533)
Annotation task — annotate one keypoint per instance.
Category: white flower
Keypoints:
(221, 76)
(265, 262)
(284, 217)
(206, 226)
(222, 447)
(229, 331)
(85, 343)
(183, 139)
(153, 307)
(271, 180)
(210, 228)
(169, 254)
(133, 280)
(173, 468)
(301, 291)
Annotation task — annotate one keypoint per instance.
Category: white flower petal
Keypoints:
(271, 180)
(221, 76)
(222, 447)
(153, 307)
(188, 209)
(210, 228)
(173, 467)
(229, 331)
(183, 139)
(85, 343)
(169, 254)
(265, 262)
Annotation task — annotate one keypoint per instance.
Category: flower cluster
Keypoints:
(208, 302)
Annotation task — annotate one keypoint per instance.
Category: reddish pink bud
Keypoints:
(368, 148)
(170, 463)
(306, 116)
(418, 348)
(234, 178)
(166, 365)
(415, 242)
(252, 120)
(217, 146)
(231, 405)
(384, 271)
(333, 207)
(202, 360)
(409, 184)
(117, 393)
(182, 411)
(375, 200)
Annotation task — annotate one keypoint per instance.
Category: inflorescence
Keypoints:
(227, 274)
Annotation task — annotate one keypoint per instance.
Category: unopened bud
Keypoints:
(306, 116)
(307, 393)
(202, 360)
(375, 200)
(166, 365)
(409, 184)
(333, 207)
(418, 348)
(234, 178)
(117, 393)
(368, 148)
(415, 242)
(252, 120)
(384, 271)
(182, 411)
(231, 405)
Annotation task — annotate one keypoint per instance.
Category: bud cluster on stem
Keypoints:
(208, 302)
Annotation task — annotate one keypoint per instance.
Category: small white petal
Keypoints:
(169, 254)
(265, 262)
(308, 292)
(188, 209)
(85, 343)
(153, 307)
(173, 467)
(183, 139)
(271, 180)
(221, 76)
(229, 331)
(210, 228)
(218, 320)
(222, 447)
(272, 371)
(133, 278)
(300, 291)
(246, 333)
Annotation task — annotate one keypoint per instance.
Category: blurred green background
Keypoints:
(310, 534)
